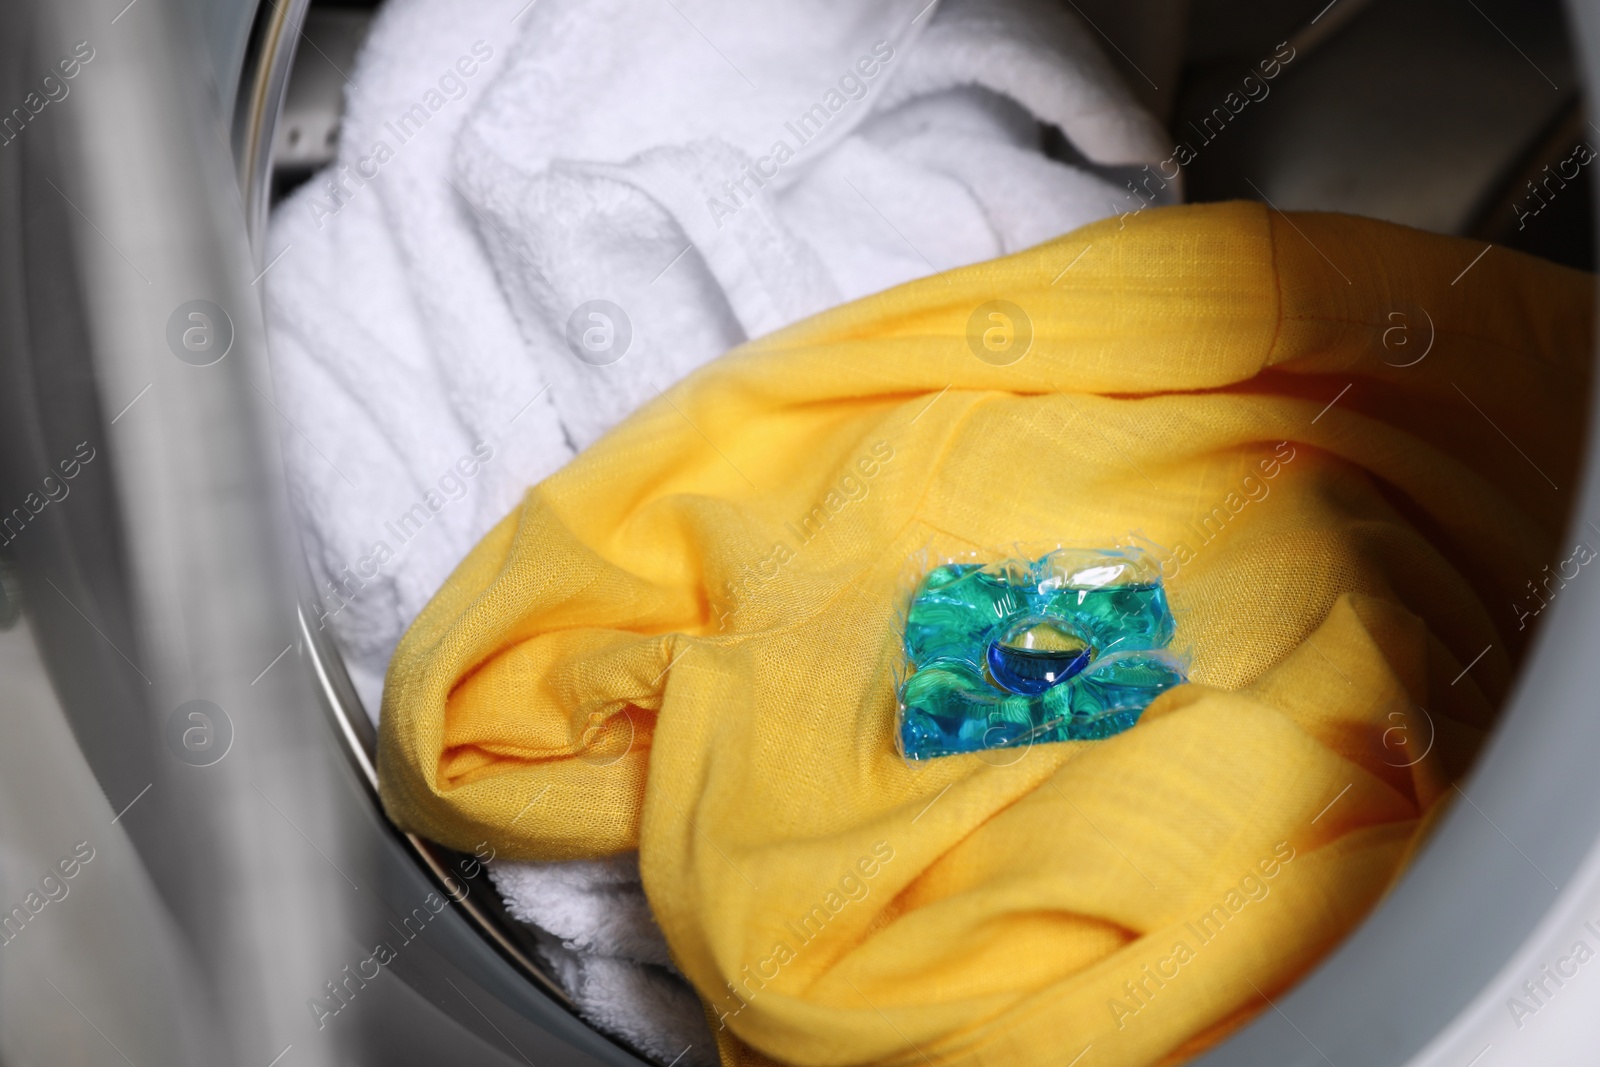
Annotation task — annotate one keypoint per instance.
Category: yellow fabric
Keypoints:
(631, 660)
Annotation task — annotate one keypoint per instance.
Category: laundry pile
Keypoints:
(543, 215)
(1140, 894)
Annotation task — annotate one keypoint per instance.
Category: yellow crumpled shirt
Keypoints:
(685, 641)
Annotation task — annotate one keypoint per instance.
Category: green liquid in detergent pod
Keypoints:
(1070, 646)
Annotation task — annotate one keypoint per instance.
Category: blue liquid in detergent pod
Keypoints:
(1071, 646)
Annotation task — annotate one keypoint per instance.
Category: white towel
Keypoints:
(607, 952)
(541, 215)
(594, 167)
(394, 352)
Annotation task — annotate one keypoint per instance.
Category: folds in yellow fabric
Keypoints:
(684, 642)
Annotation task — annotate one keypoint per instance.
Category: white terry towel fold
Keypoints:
(868, 151)
(707, 169)
(606, 950)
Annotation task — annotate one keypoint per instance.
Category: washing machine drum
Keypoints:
(188, 745)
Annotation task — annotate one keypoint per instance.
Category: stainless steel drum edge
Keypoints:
(342, 704)
(452, 874)
(266, 79)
